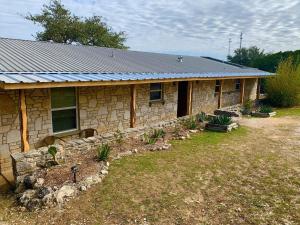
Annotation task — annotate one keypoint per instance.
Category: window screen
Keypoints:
(156, 92)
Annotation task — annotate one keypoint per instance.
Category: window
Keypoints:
(156, 92)
(237, 84)
(63, 109)
(218, 86)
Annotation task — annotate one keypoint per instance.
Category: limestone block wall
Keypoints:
(156, 111)
(230, 96)
(104, 108)
(204, 98)
(38, 104)
(250, 89)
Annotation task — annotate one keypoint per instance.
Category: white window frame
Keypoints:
(65, 108)
(157, 90)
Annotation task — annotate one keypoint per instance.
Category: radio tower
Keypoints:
(229, 45)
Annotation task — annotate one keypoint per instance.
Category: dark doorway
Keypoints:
(182, 98)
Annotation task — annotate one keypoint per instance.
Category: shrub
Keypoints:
(190, 123)
(247, 107)
(265, 109)
(103, 152)
(283, 90)
(52, 150)
(153, 136)
(220, 120)
(201, 117)
(119, 137)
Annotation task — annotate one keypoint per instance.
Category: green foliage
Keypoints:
(246, 56)
(283, 90)
(153, 136)
(52, 150)
(61, 26)
(220, 120)
(265, 109)
(119, 137)
(247, 107)
(103, 152)
(201, 117)
(190, 123)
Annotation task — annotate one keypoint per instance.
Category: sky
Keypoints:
(182, 27)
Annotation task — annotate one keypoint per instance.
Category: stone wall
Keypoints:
(250, 89)
(156, 111)
(230, 96)
(204, 98)
(104, 108)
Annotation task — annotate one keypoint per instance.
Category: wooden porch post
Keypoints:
(23, 121)
(242, 91)
(258, 89)
(220, 94)
(190, 98)
(132, 105)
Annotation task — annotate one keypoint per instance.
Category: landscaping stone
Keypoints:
(221, 128)
(263, 115)
(65, 192)
(29, 182)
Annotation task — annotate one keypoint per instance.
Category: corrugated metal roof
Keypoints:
(82, 77)
(34, 61)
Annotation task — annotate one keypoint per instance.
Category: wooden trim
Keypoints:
(258, 89)
(9, 86)
(242, 91)
(190, 98)
(132, 105)
(220, 95)
(23, 121)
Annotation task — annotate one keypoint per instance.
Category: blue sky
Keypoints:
(193, 27)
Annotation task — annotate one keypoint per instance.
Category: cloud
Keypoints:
(199, 27)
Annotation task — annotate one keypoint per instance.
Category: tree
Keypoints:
(246, 56)
(63, 27)
(284, 89)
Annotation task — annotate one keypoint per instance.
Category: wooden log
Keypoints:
(220, 95)
(190, 98)
(23, 121)
(242, 91)
(133, 105)
(258, 89)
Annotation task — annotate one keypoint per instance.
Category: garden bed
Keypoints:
(221, 128)
(263, 115)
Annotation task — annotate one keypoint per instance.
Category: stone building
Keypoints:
(49, 89)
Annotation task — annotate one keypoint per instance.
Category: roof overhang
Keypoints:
(15, 81)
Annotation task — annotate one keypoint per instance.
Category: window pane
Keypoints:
(155, 86)
(218, 82)
(63, 97)
(63, 120)
(156, 95)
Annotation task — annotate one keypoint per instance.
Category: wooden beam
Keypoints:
(190, 98)
(242, 91)
(23, 121)
(14, 86)
(133, 105)
(220, 95)
(258, 81)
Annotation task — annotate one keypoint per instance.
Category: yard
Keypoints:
(249, 176)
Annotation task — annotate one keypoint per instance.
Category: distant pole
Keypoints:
(229, 45)
(241, 40)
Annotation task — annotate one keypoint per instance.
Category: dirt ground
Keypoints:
(249, 176)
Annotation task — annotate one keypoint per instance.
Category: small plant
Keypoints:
(201, 117)
(119, 137)
(153, 136)
(103, 152)
(176, 131)
(190, 123)
(52, 150)
(221, 120)
(265, 109)
(247, 107)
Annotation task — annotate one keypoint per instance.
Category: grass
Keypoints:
(281, 112)
(213, 178)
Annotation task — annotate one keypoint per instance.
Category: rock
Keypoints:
(26, 197)
(135, 150)
(64, 192)
(39, 183)
(43, 191)
(82, 188)
(29, 181)
(34, 204)
(91, 180)
(188, 136)
(104, 172)
(182, 138)
(48, 199)
(193, 131)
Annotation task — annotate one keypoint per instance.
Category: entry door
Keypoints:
(182, 98)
